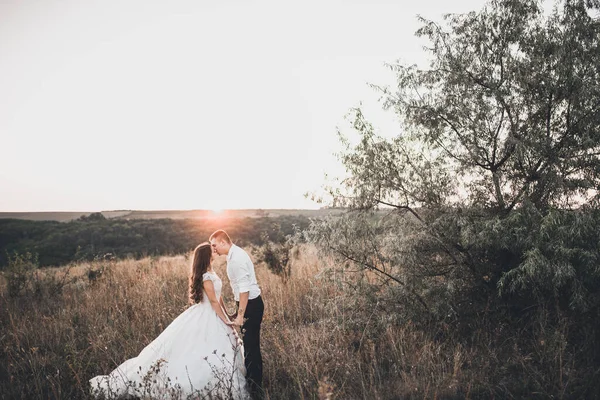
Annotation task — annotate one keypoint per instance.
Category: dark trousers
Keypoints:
(251, 338)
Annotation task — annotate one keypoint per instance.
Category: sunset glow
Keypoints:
(132, 105)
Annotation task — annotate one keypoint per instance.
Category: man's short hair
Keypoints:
(220, 234)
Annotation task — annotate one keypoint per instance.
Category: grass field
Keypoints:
(318, 341)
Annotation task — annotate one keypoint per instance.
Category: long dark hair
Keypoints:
(201, 262)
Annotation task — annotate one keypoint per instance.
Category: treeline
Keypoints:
(58, 243)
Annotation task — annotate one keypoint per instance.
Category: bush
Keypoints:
(20, 273)
(276, 256)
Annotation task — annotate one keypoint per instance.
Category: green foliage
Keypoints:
(24, 277)
(94, 236)
(494, 179)
(560, 257)
(481, 218)
(276, 256)
(279, 246)
(19, 273)
(97, 216)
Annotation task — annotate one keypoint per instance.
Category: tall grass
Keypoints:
(319, 340)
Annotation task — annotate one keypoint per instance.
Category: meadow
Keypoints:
(320, 341)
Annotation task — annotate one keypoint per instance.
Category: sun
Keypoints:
(217, 211)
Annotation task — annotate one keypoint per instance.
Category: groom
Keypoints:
(249, 314)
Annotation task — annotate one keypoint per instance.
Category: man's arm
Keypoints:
(239, 320)
(241, 274)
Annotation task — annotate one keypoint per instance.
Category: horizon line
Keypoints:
(167, 209)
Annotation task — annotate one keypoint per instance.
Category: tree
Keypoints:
(495, 175)
(96, 216)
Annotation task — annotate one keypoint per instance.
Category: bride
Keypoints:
(199, 355)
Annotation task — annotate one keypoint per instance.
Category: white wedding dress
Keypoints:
(196, 356)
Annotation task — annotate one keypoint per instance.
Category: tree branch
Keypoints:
(374, 268)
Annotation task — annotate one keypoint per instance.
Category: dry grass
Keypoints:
(318, 341)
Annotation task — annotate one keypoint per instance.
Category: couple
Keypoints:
(200, 355)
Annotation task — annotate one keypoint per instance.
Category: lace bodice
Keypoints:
(218, 284)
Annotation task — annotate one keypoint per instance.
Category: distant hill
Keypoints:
(61, 241)
(65, 216)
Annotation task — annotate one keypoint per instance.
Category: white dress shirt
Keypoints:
(240, 271)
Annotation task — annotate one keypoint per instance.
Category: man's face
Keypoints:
(218, 246)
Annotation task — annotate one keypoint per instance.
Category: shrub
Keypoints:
(276, 257)
(20, 272)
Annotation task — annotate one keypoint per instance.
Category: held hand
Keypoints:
(239, 320)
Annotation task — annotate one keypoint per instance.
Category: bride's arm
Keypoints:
(214, 302)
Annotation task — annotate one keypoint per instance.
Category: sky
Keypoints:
(190, 104)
